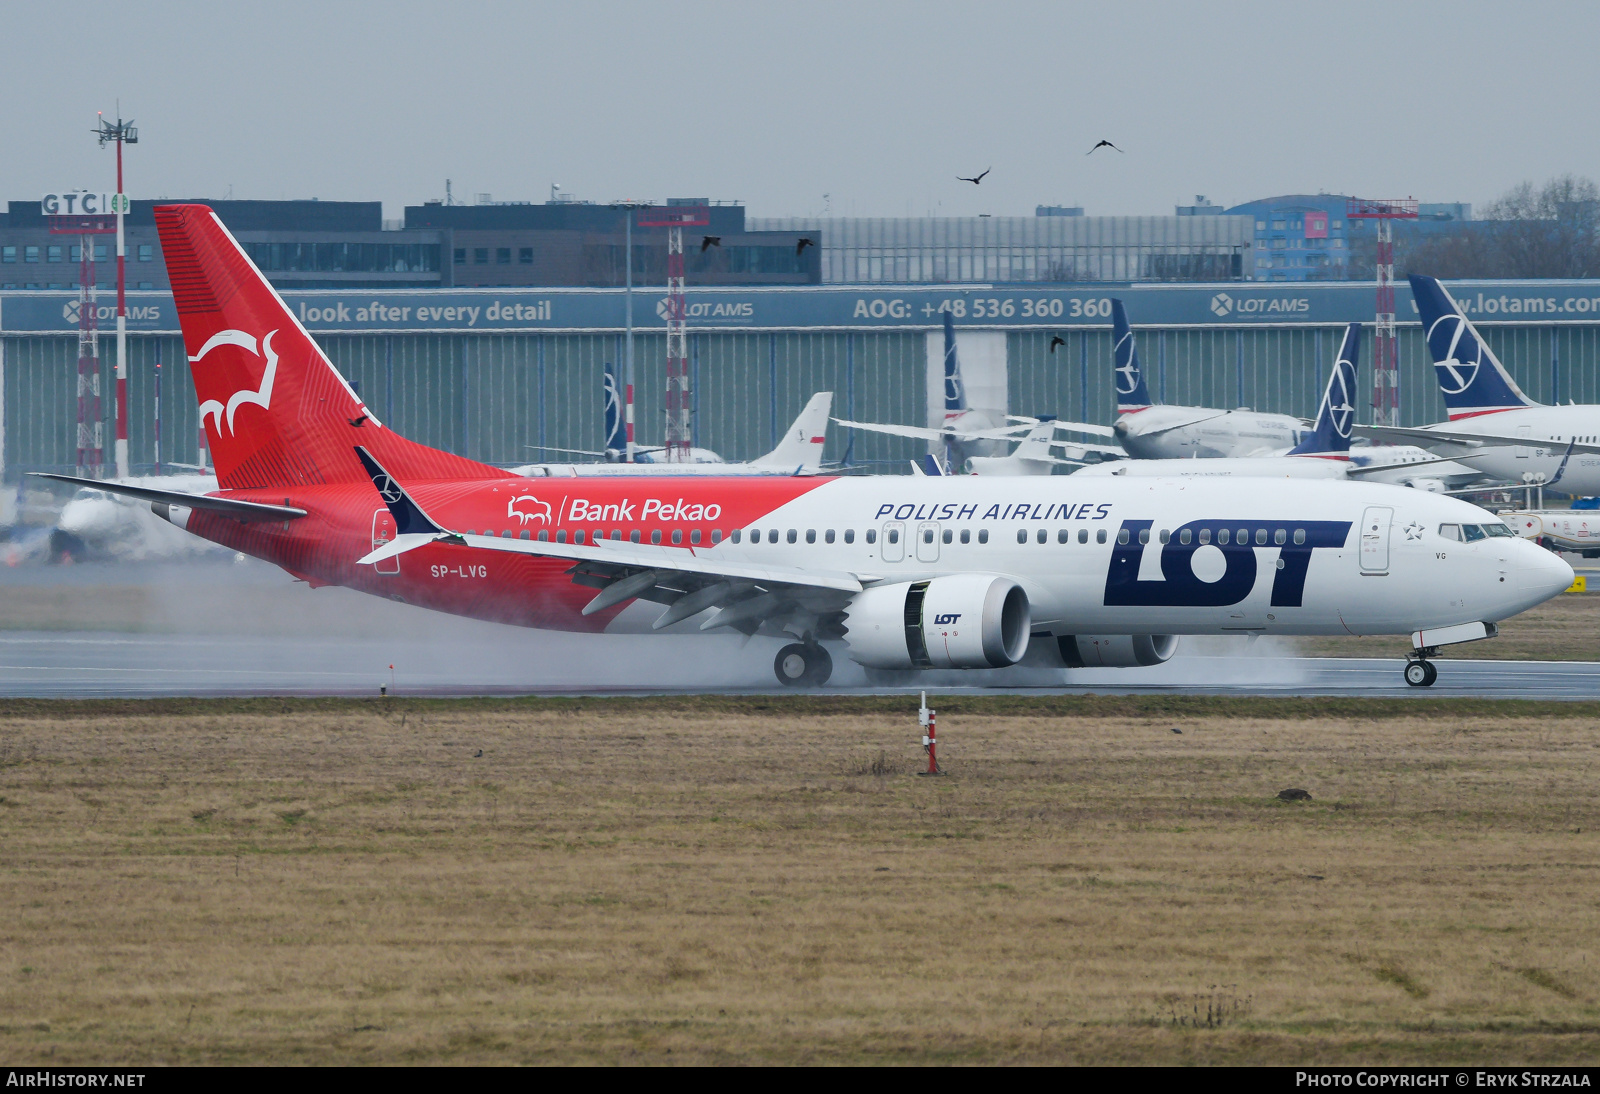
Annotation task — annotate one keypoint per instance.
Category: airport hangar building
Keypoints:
(512, 375)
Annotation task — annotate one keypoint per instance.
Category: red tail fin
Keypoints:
(276, 412)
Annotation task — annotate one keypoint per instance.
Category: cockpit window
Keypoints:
(1473, 532)
(1498, 530)
(1450, 531)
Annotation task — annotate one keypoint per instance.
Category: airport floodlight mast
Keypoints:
(122, 132)
(1385, 366)
(675, 218)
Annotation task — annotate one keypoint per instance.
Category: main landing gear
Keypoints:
(803, 665)
(1420, 672)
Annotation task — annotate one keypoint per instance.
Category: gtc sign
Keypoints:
(76, 203)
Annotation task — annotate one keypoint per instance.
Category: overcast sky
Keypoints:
(856, 107)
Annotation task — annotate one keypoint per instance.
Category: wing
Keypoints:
(1003, 433)
(1434, 435)
(1355, 472)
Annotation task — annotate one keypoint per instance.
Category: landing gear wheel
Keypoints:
(1421, 674)
(802, 666)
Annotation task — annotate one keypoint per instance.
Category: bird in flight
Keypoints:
(707, 242)
(802, 244)
(977, 181)
(1056, 340)
(1103, 144)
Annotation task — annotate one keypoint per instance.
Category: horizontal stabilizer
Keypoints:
(246, 511)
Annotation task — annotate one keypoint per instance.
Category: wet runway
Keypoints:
(216, 628)
(90, 665)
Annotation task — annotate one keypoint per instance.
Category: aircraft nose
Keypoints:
(1122, 427)
(1540, 572)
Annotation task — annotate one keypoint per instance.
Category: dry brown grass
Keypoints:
(651, 882)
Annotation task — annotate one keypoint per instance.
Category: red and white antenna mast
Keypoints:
(66, 215)
(680, 430)
(1385, 364)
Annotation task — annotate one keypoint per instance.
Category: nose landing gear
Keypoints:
(803, 665)
(1421, 674)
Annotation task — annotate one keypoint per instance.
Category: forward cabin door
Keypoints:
(1375, 539)
(383, 530)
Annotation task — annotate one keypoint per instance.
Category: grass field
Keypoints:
(766, 881)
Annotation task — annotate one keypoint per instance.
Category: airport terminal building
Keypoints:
(510, 375)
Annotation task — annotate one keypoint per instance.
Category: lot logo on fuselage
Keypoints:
(1181, 587)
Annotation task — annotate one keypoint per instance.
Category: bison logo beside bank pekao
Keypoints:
(528, 508)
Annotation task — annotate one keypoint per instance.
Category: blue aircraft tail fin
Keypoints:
(1471, 378)
(1337, 414)
(1132, 394)
(955, 394)
(616, 435)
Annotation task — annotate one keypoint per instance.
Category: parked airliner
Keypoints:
(1512, 438)
(900, 573)
(1152, 431)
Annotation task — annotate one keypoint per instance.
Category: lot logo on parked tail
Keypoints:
(1132, 394)
(1336, 417)
(1471, 379)
(1182, 587)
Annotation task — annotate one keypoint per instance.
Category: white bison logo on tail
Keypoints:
(528, 508)
(262, 397)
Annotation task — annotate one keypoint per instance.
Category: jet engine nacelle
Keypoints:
(1096, 651)
(963, 621)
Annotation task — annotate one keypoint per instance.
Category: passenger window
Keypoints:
(772, 535)
(1473, 532)
(872, 535)
(1165, 535)
(1043, 535)
(1185, 536)
(1100, 536)
(561, 537)
(677, 536)
(983, 535)
(506, 534)
(1083, 535)
(655, 536)
(894, 535)
(1299, 536)
(578, 536)
(850, 535)
(1223, 536)
(1244, 535)
(949, 535)
(792, 536)
(1122, 535)
(616, 534)
(966, 535)
(1144, 536)
(1450, 532)
(544, 537)
(1205, 535)
(1022, 535)
(927, 535)
(1061, 535)
(1279, 537)
(1261, 536)
(716, 536)
(633, 537)
(811, 535)
(827, 537)
(738, 534)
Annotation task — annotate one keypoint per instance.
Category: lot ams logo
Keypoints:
(1199, 571)
(528, 508)
(261, 396)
